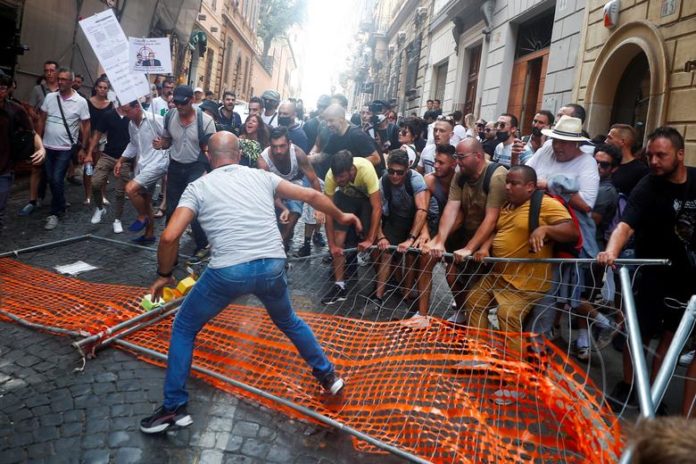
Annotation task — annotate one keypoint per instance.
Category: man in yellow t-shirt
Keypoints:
(353, 186)
(516, 287)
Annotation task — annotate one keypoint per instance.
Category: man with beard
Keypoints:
(531, 143)
(661, 216)
(506, 128)
(477, 193)
(287, 117)
(289, 162)
(631, 170)
(229, 119)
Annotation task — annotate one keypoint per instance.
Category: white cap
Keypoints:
(198, 89)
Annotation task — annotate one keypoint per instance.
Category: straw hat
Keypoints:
(567, 128)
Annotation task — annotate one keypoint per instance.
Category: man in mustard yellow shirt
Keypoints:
(353, 186)
(515, 287)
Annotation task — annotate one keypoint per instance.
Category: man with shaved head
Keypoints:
(235, 207)
(338, 135)
(476, 194)
(631, 169)
(287, 117)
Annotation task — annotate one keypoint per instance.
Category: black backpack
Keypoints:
(21, 140)
(202, 136)
(490, 169)
(560, 250)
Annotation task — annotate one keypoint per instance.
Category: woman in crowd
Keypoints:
(253, 140)
(407, 139)
(98, 104)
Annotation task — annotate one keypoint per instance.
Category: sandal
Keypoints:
(159, 213)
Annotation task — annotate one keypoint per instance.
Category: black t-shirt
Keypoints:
(12, 118)
(627, 176)
(354, 140)
(96, 114)
(489, 146)
(311, 129)
(116, 129)
(663, 216)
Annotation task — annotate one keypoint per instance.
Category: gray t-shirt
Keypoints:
(185, 145)
(402, 204)
(234, 205)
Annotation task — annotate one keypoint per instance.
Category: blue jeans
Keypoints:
(217, 288)
(179, 176)
(55, 167)
(5, 186)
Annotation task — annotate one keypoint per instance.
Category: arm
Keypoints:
(308, 170)
(85, 128)
(561, 232)
(483, 233)
(621, 235)
(418, 221)
(484, 250)
(577, 202)
(318, 201)
(437, 245)
(39, 150)
(169, 248)
(261, 164)
(91, 146)
(375, 221)
(374, 158)
(41, 123)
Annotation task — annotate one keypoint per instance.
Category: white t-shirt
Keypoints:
(583, 168)
(234, 206)
(427, 157)
(458, 134)
(160, 106)
(75, 109)
(271, 121)
(140, 144)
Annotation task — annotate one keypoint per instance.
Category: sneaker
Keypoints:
(621, 396)
(332, 384)
(138, 225)
(686, 358)
(162, 419)
(105, 201)
(318, 239)
(603, 336)
(98, 215)
(505, 397)
(458, 318)
(363, 258)
(304, 250)
(199, 255)
(373, 305)
(335, 295)
(118, 227)
(87, 201)
(51, 222)
(27, 210)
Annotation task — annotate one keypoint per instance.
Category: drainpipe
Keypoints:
(487, 10)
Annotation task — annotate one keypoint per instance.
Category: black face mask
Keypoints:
(502, 136)
(482, 135)
(284, 121)
(536, 132)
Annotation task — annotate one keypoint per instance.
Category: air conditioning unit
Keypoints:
(213, 29)
(202, 17)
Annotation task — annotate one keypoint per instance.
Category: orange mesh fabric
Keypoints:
(401, 387)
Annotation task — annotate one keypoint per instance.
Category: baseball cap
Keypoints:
(182, 93)
(271, 95)
(198, 89)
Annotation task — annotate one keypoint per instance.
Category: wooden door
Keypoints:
(527, 88)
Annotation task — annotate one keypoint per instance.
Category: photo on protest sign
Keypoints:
(150, 55)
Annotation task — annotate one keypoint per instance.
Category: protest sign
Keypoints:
(110, 45)
(150, 55)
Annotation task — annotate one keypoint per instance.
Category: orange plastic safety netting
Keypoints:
(401, 387)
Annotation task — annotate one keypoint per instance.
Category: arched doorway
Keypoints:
(628, 81)
(633, 95)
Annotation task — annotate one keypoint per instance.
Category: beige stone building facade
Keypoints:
(641, 72)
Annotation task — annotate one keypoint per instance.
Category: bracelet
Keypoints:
(165, 274)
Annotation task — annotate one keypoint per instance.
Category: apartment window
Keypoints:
(440, 75)
(472, 79)
(412, 59)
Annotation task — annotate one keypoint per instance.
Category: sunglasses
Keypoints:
(480, 125)
(604, 164)
(461, 156)
(396, 172)
(445, 118)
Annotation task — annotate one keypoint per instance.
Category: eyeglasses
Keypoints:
(604, 164)
(396, 172)
(461, 156)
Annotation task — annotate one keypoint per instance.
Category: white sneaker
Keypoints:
(118, 228)
(458, 318)
(98, 215)
(686, 358)
(105, 201)
(51, 222)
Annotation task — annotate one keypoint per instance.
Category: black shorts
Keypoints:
(396, 228)
(660, 296)
(361, 207)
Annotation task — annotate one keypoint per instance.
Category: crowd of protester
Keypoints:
(424, 187)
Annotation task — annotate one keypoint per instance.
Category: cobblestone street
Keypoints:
(50, 413)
